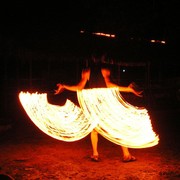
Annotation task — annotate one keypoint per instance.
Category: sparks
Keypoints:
(101, 108)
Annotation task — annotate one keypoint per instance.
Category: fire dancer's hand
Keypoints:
(59, 90)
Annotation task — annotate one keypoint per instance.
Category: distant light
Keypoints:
(124, 70)
(158, 41)
(104, 34)
(100, 34)
(153, 40)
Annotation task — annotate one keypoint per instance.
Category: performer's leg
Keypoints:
(94, 143)
(127, 157)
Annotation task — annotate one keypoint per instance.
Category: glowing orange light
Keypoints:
(158, 41)
(102, 108)
(104, 34)
(153, 41)
(163, 42)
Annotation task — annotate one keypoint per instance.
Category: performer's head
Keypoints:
(97, 59)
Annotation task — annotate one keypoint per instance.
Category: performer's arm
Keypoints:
(84, 77)
(130, 88)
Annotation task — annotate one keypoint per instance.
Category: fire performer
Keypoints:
(102, 110)
(98, 76)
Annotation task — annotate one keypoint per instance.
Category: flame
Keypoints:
(101, 108)
(67, 122)
(118, 121)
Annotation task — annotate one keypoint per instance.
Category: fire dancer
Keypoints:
(97, 75)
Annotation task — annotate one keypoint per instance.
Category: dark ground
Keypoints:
(29, 154)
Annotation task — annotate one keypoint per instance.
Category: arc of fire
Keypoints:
(101, 108)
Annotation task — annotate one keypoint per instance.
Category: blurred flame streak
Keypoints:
(67, 122)
(102, 108)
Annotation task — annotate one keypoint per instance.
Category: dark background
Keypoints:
(41, 44)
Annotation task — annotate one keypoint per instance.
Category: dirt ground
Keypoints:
(26, 153)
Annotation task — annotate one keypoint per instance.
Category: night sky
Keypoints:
(144, 19)
(55, 26)
(31, 29)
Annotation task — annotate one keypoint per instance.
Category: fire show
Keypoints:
(103, 109)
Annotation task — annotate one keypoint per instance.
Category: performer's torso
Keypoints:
(96, 79)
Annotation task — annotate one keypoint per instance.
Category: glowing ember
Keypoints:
(102, 108)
